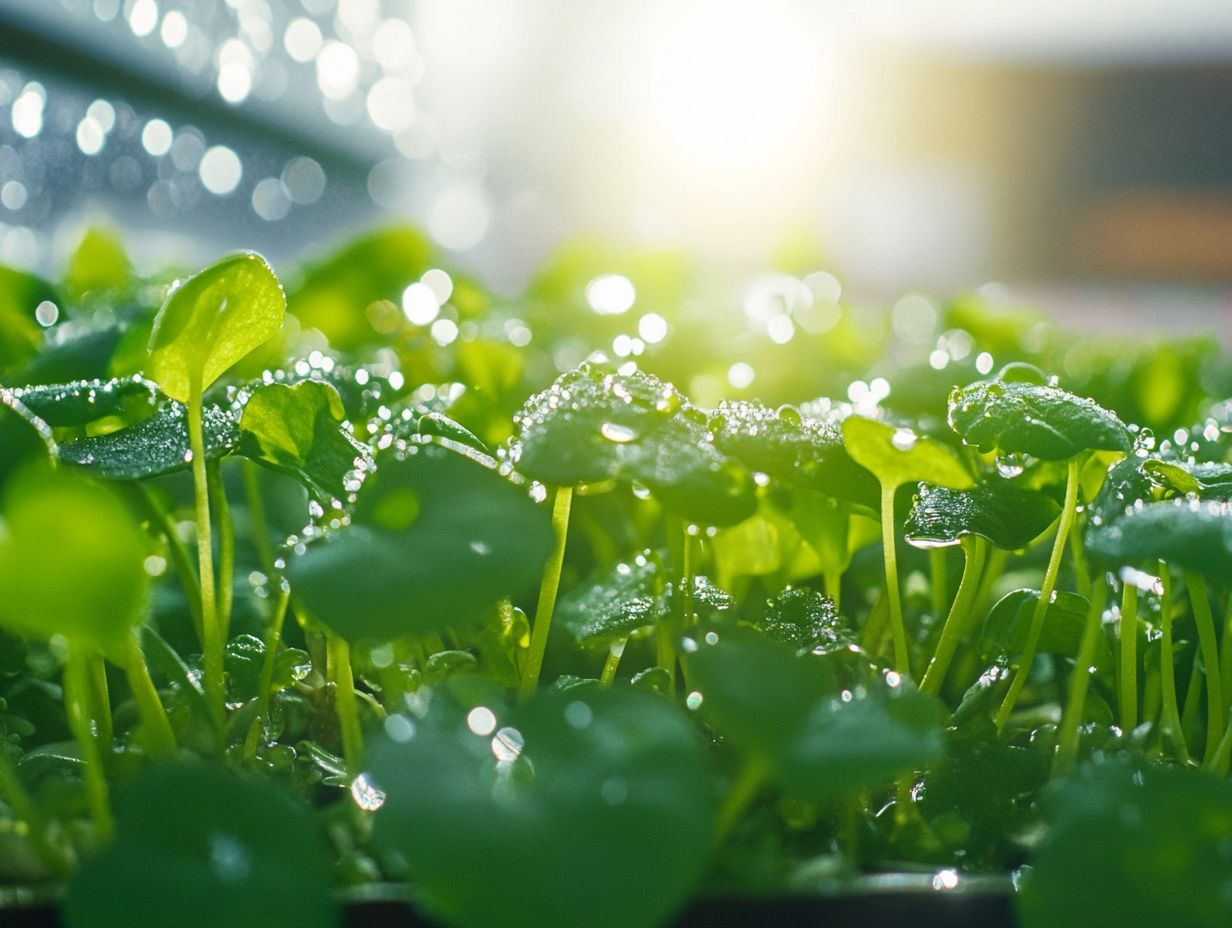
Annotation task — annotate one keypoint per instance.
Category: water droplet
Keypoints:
(367, 795)
(1010, 466)
(693, 701)
(507, 745)
(904, 439)
(621, 434)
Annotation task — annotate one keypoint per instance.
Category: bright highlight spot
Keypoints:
(652, 328)
(174, 29)
(220, 170)
(419, 304)
(481, 720)
(337, 70)
(740, 375)
(302, 40)
(143, 17)
(611, 294)
(156, 137)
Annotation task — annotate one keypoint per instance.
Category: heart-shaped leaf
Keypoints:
(71, 560)
(587, 801)
(1007, 516)
(590, 427)
(776, 707)
(86, 400)
(211, 320)
(1130, 844)
(435, 538)
(199, 846)
(1040, 420)
(796, 450)
(1005, 629)
(898, 455)
(1185, 532)
(298, 430)
(155, 446)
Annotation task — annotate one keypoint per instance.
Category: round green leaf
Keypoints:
(1132, 845)
(801, 451)
(1207, 480)
(1007, 516)
(1005, 629)
(71, 560)
(897, 455)
(298, 430)
(1185, 532)
(804, 618)
(776, 706)
(435, 539)
(211, 320)
(1039, 420)
(591, 426)
(153, 447)
(199, 846)
(588, 804)
(614, 603)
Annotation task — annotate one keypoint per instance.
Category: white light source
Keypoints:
(220, 170)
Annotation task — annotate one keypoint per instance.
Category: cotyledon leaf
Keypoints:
(898, 455)
(590, 426)
(614, 603)
(1005, 629)
(803, 618)
(298, 429)
(1191, 533)
(1007, 516)
(155, 446)
(792, 448)
(212, 320)
(66, 404)
(1040, 420)
(435, 538)
(1207, 480)
(587, 800)
(198, 846)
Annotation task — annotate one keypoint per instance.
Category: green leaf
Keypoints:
(897, 455)
(155, 446)
(1043, 421)
(23, 437)
(68, 404)
(776, 707)
(1007, 516)
(298, 430)
(199, 846)
(211, 321)
(1005, 629)
(98, 267)
(1125, 484)
(1184, 532)
(1208, 480)
(434, 540)
(796, 450)
(71, 560)
(1129, 843)
(590, 427)
(614, 603)
(587, 801)
(805, 619)
(20, 293)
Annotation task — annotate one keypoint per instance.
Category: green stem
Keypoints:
(1080, 679)
(547, 594)
(211, 627)
(25, 810)
(77, 705)
(686, 582)
(1221, 758)
(1045, 597)
(902, 654)
(345, 703)
(939, 581)
(615, 652)
(833, 580)
(1205, 621)
(739, 797)
(256, 516)
(875, 626)
(1077, 553)
(100, 702)
(974, 551)
(160, 738)
(1129, 657)
(1170, 715)
(1225, 653)
(273, 638)
(226, 547)
(179, 555)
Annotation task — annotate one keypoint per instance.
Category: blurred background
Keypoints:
(1072, 156)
